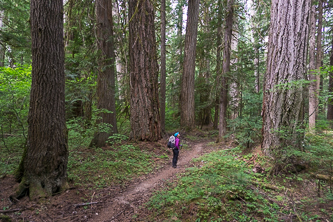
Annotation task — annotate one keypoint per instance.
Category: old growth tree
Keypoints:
(145, 114)
(106, 73)
(43, 168)
(286, 68)
(223, 103)
(187, 114)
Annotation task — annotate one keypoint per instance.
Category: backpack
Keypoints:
(171, 142)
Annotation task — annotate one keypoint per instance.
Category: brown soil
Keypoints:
(124, 206)
(123, 202)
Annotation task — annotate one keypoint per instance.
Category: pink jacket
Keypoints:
(177, 143)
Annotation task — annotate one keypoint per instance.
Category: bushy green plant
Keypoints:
(15, 86)
(80, 133)
(247, 126)
(117, 138)
(217, 189)
(171, 118)
(100, 168)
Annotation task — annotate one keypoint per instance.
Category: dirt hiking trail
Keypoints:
(124, 206)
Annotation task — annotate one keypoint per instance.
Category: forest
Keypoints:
(92, 90)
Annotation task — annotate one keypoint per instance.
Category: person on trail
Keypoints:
(176, 150)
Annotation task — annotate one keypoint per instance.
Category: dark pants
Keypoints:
(175, 157)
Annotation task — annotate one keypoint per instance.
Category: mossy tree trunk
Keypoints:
(43, 170)
(286, 65)
(106, 73)
(145, 116)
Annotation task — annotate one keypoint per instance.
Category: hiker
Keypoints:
(176, 150)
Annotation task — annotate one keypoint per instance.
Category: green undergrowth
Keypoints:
(113, 165)
(10, 157)
(223, 187)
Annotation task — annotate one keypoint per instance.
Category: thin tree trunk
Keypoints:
(2, 44)
(330, 89)
(106, 73)
(312, 73)
(234, 91)
(145, 116)
(218, 65)
(319, 52)
(181, 57)
(187, 117)
(226, 70)
(204, 74)
(286, 63)
(163, 67)
(122, 61)
(43, 170)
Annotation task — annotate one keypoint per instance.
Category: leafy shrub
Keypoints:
(217, 189)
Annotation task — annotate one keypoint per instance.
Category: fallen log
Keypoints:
(321, 176)
(269, 186)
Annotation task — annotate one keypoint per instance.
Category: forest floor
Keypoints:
(221, 184)
(118, 202)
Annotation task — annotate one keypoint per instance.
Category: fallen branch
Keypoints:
(9, 211)
(269, 186)
(321, 176)
(85, 204)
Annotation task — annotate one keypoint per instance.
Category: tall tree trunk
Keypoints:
(106, 73)
(286, 63)
(226, 69)
(218, 65)
(163, 67)
(145, 116)
(177, 96)
(330, 89)
(187, 115)
(122, 59)
(43, 170)
(234, 91)
(204, 74)
(2, 44)
(313, 93)
(319, 52)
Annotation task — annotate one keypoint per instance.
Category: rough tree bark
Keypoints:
(177, 97)
(286, 63)
(43, 168)
(204, 115)
(226, 69)
(106, 73)
(163, 67)
(234, 92)
(218, 65)
(187, 116)
(319, 52)
(313, 93)
(145, 116)
(122, 58)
